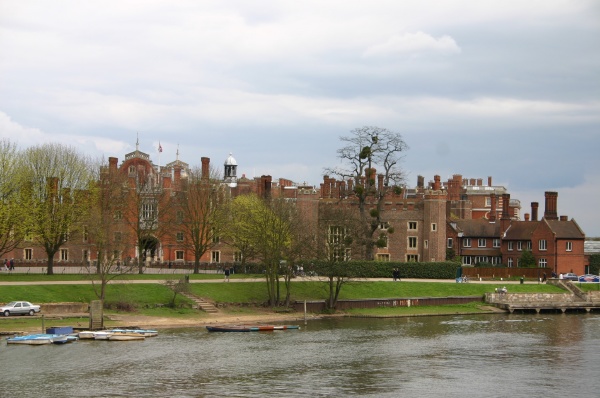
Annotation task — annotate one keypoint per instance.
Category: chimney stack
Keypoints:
(489, 181)
(205, 167)
(534, 211)
(564, 218)
(526, 216)
(550, 213)
(436, 183)
(112, 164)
(493, 207)
(505, 206)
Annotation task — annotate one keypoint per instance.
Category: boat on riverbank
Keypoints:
(38, 339)
(249, 328)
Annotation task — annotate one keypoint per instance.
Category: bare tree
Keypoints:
(147, 213)
(366, 151)
(338, 231)
(103, 228)
(58, 181)
(197, 205)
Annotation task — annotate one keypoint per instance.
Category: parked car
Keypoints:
(19, 307)
(589, 278)
(570, 276)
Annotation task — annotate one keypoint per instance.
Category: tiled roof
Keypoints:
(565, 229)
(521, 230)
(478, 228)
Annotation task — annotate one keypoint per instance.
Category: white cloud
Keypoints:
(413, 44)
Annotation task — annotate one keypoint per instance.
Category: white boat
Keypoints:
(86, 334)
(102, 335)
(125, 337)
(143, 332)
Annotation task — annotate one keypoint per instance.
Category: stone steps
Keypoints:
(202, 304)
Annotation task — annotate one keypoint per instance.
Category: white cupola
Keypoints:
(230, 171)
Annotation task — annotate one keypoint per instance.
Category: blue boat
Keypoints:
(38, 339)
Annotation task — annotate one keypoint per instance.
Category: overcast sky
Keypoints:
(508, 89)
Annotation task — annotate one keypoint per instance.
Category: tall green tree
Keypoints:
(58, 182)
(266, 226)
(13, 200)
(370, 152)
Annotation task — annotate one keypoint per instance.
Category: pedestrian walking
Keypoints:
(226, 274)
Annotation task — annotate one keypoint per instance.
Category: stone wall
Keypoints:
(529, 298)
(64, 308)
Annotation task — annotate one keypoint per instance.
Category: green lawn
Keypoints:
(148, 295)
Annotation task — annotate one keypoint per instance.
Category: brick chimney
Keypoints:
(550, 212)
(534, 211)
(436, 183)
(505, 218)
(564, 218)
(526, 216)
(489, 181)
(205, 167)
(492, 216)
(380, 182)
(112, 164)
(420, 182)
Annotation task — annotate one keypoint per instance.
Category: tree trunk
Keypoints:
(51, 264)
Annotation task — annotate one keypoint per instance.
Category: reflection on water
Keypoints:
(458, 356)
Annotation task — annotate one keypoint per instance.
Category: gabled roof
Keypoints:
(521, 230)
(477, 228)
(566, 229)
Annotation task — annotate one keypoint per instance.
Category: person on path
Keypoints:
(226, 275)
(12, 264)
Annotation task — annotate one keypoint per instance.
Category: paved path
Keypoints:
(246, 280)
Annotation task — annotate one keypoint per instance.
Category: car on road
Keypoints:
(19, 308)
(589, 278)
(570, 276)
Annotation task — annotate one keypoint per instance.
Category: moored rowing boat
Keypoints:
(249, 328)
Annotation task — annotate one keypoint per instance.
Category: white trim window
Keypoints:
(412, 225)
(569, 246)
(412, 242)
(496, 243)
(466, 242)
(510, 262)
(450, 243)
(543, 244)
(543, 263)
(510, 246)
(519, 246)
(481, 242)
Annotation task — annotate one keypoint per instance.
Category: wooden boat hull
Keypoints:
(250, 328)
(125, 337)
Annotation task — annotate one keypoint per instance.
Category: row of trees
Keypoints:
(51, 194)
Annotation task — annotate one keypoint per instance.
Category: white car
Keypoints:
(19, 307)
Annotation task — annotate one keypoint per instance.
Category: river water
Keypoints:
(528, 355)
